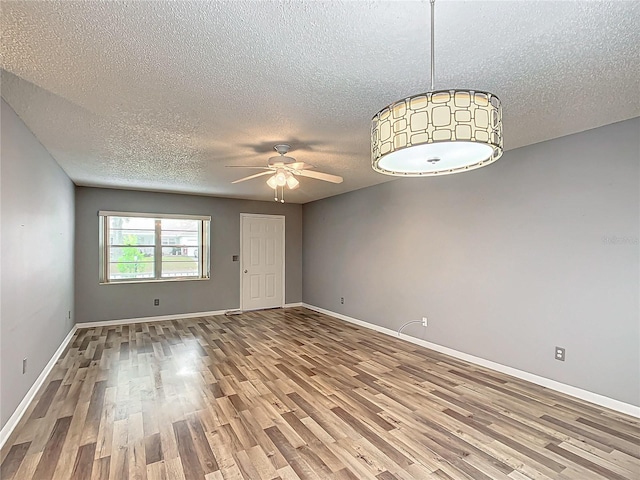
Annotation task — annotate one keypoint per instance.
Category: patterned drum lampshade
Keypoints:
(437, 133)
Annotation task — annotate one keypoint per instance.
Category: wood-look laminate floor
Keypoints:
(288, 394)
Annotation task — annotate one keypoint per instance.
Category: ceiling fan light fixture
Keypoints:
(438, 132)
(272, 182)
(281, 177)
(292, 182)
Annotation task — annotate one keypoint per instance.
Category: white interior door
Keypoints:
(262, 261)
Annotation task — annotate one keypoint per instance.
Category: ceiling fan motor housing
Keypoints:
(280, 160)
(282, 148)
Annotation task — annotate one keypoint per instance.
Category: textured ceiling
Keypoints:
(162, 95)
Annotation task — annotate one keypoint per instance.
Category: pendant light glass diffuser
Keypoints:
(438, 132)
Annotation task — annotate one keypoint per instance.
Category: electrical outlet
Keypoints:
(560, 354)
(156, 302)
(342, 300)
(24, 366)
(424, 321)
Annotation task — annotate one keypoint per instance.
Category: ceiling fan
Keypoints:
(284, 170)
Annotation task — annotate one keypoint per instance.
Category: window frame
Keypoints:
(204, 247)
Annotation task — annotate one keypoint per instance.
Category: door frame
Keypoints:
(284, 263)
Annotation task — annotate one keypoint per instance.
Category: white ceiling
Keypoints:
(162, 95)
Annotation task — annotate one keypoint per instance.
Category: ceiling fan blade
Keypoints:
(320, 176)
(300, 166)
(253, 176)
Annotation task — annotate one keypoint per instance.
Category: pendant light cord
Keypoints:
(433, 54)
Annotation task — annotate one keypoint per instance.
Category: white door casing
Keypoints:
(262, 261)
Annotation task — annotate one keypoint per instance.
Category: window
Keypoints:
(144, 247)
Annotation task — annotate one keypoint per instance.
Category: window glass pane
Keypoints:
(131, 262)
(120, 271)
(183, 232)
(131, 231)
(180, 224)
(131, 237)
(180, 269)
(180, 261)
(133, 223)
(180, 237)
(180, 253)
(131, 254)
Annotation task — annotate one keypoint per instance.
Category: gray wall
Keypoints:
(36, 278)
(96, 302)
(538, 250)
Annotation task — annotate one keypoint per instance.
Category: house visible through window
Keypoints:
(148, 247)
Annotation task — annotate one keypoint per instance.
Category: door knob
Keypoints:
(246, 271)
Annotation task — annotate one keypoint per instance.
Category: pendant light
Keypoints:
(438, 132)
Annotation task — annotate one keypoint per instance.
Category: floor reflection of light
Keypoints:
(187, 364)
(186, 371)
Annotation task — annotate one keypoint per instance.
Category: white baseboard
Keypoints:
(13, 421)
(159, 318)
(592, 397)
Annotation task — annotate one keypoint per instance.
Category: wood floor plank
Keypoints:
(153, 448)
(51, 454)
(294, 394)
(205, 454)
(13, 460)
(28, 466)
(188, 455)
(83, 466)
(292, 455)
(101, 467)
(42, 407)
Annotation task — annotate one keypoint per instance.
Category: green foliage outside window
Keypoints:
(131, 255)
